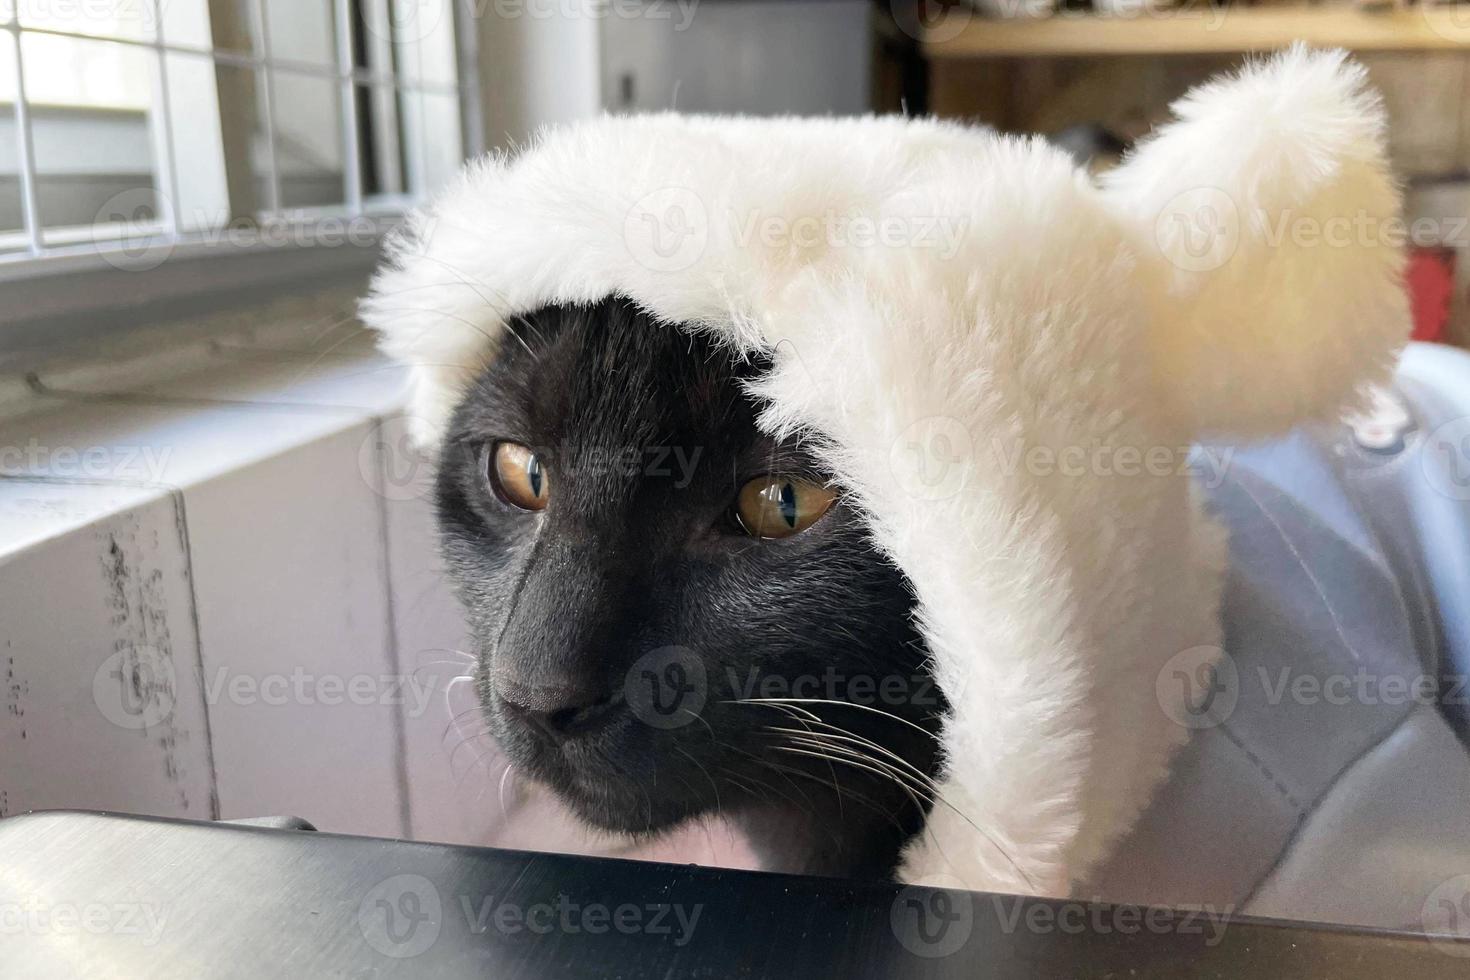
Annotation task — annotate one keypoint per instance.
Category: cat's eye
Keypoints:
(518, 476)
(779, 506)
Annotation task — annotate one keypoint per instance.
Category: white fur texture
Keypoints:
(1269, 201)
(1005, 384)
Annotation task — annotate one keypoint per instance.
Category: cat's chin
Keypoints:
(622, 810)
(608, 801)
(782, 839)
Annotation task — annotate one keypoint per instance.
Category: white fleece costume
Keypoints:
(1002, 361)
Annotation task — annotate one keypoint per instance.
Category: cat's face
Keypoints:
(675, 614)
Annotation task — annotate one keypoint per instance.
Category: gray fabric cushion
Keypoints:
(1327, 784)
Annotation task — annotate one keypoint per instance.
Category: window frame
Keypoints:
(87, 273)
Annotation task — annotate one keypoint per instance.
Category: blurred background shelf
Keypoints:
(1207, 31)
(1095, 82)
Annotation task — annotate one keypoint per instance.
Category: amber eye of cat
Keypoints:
(779, 506)
(518, 476)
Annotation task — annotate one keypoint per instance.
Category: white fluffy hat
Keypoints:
(1003, 361)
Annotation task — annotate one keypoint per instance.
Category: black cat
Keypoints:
(675, 614)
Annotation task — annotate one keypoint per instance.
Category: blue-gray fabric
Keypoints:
(1336, 788)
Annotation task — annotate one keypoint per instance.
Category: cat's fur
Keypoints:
(647, 436)
(925, 291)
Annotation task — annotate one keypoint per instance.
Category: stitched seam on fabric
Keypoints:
(1302, 564)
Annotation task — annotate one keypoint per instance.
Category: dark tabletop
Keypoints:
(95, 895)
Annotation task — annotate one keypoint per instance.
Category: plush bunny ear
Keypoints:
(1271, 240)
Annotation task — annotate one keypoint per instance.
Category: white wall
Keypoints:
(545, 66)
(802, 57)
(537, 70)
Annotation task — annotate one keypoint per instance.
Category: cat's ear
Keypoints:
(1270, 239)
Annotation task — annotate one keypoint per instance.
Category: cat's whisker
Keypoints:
(465, 657)
(923, 780)
(931, 794)
(466, 740)
(497, 303)
(436, 663)
(701, 719)
(825, 750)
(843, 704)
(837, 792)
(832, 771)
(453, 683)
(857, 763)
(846, 736)
(918, 795)
(455, 716)
(738, 782)
(810, 807)
(647, 800)
(848, 792)
(453, 722)
(719, 806)
(509, 768)
(688, 785)
(480, 759)
(766, 702)
(466, 321)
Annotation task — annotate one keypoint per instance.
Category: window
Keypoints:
(132, 129)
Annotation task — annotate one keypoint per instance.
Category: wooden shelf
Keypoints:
(1211, 31)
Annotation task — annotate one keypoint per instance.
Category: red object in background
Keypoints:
(1430, 279)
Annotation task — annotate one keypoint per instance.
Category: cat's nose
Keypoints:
(558, 711)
